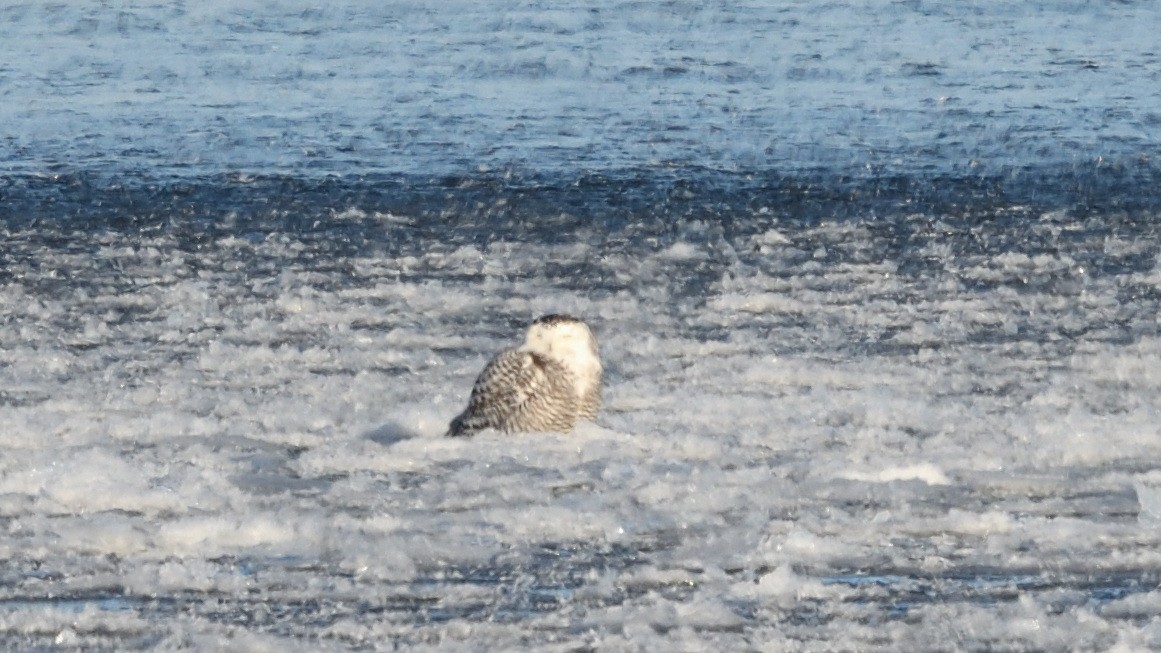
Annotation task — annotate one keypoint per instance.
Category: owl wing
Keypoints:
(517, 391)
(590, 403)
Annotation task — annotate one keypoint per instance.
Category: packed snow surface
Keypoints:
(239, 441)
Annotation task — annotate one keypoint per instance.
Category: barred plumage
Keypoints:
(546, 384)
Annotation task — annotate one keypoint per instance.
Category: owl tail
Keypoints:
(461, 426)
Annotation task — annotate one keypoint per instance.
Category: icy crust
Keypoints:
(825, 447)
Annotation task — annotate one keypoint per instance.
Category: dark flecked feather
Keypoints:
(520, 391)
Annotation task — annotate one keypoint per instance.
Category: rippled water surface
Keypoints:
(876, 286)
(404, 87)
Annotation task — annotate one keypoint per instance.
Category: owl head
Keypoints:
(567, 340)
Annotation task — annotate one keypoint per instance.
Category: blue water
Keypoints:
(853, 87)
(876, 285)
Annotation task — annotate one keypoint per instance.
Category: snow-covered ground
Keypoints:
(827, 446)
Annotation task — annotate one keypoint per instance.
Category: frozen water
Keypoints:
(813, 437)
(876, 286)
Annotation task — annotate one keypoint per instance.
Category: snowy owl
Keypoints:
(546, 384)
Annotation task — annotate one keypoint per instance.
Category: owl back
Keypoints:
(520, 390)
